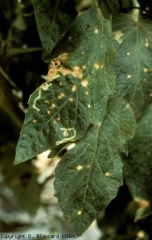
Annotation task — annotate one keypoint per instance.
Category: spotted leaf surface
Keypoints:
(57, 113)
(77, 89)
(133, 43)
(78, 104)
(89, 175)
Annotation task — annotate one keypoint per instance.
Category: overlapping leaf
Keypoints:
(77, 104)
(109, 7)
(89, 175)
(138, 166)
(53, 19)
(133, 43)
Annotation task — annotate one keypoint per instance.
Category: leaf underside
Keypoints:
(78, 104)
(133, 68)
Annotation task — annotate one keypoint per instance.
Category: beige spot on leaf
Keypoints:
(96, 31)
(34, 120)
(84, 83)
(61, 96)
(74, 88)
(79, 167)
(129, 76)
(77, 72)
(86, 92)
(48, 112)
(69, 38)
(146, 44)
(79, 212)
(99, 124)
(140, 235)
(46, 101)
(150, 94)
(145, 70)
(117, 36)
(71, 99)
(58, 119)
(84, 67)
(70, 146)
(128, 53)
(88, 166)
(107, 174)
(96, 66)
(89, 106)
(53, 105)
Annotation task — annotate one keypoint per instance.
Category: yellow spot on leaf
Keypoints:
(34, 120)
(146, 44)
(86, 92)
(79, 212)
(96, 31)
(117, 36)
(128, 53)
(74, 88)
(89, 106)
(79, 167)
(84, 67)
(84, 83)
(150, 94)
(145, 70)
(48, 112)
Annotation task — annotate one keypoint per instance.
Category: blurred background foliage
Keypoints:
(27, 202)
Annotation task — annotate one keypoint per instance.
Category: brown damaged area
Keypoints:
(57, 68)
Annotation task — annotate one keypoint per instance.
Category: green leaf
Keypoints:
(89, 176)
(78, 104)
(133, 43)
(53, 19)
(138, 165)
